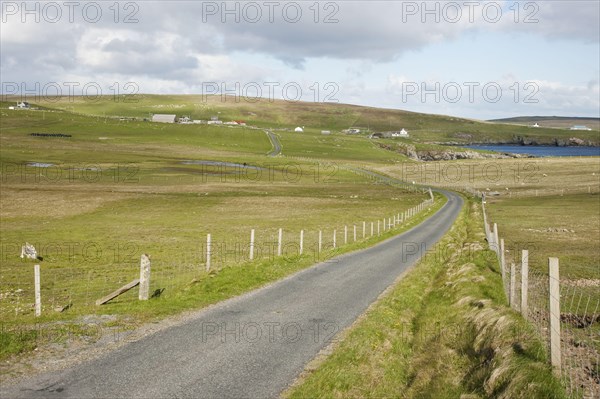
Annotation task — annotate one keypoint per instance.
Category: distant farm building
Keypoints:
(299, 129)
(580, 127)
(535, 125)
(164, 118)
(23, 105)
(352, 131)
(376, 136)
(401, 133)
(184, 119)
(325, 132)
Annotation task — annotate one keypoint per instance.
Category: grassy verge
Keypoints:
(442, 332)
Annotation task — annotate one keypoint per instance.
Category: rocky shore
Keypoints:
(411, 152)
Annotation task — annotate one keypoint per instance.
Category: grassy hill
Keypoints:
(284, 114)
(557, 122)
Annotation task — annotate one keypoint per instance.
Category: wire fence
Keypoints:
(566, 313)
(79, 285)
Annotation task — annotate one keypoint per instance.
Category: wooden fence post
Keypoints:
(371, 229)
(334, 237)
(378, 233)
(501, 253)
(346, 234)
(354, 233)
(279, 240)
(524, 281)
(301, 241)
(554, 297)
(38, 295)
(364, 229)
(252, 244)
(208, 252)
(144, 277)
(320, 240)
(496, 241)
(513, 282)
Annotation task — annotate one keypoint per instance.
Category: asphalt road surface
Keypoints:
(252, 346)
(276, 144)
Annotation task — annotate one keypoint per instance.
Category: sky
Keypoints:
(474, 59)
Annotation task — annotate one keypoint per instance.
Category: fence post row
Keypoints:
(553, 285)
(145, 262)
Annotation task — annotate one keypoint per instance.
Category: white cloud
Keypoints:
(175, 47)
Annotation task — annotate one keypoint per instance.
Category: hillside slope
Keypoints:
(330, 116)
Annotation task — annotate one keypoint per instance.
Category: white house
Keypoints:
(164, 118)
(325, 132)
(535, 125)
(401, 133)
(299, 129)
(23, 105)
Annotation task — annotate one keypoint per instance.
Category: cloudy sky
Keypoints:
(478, 59)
